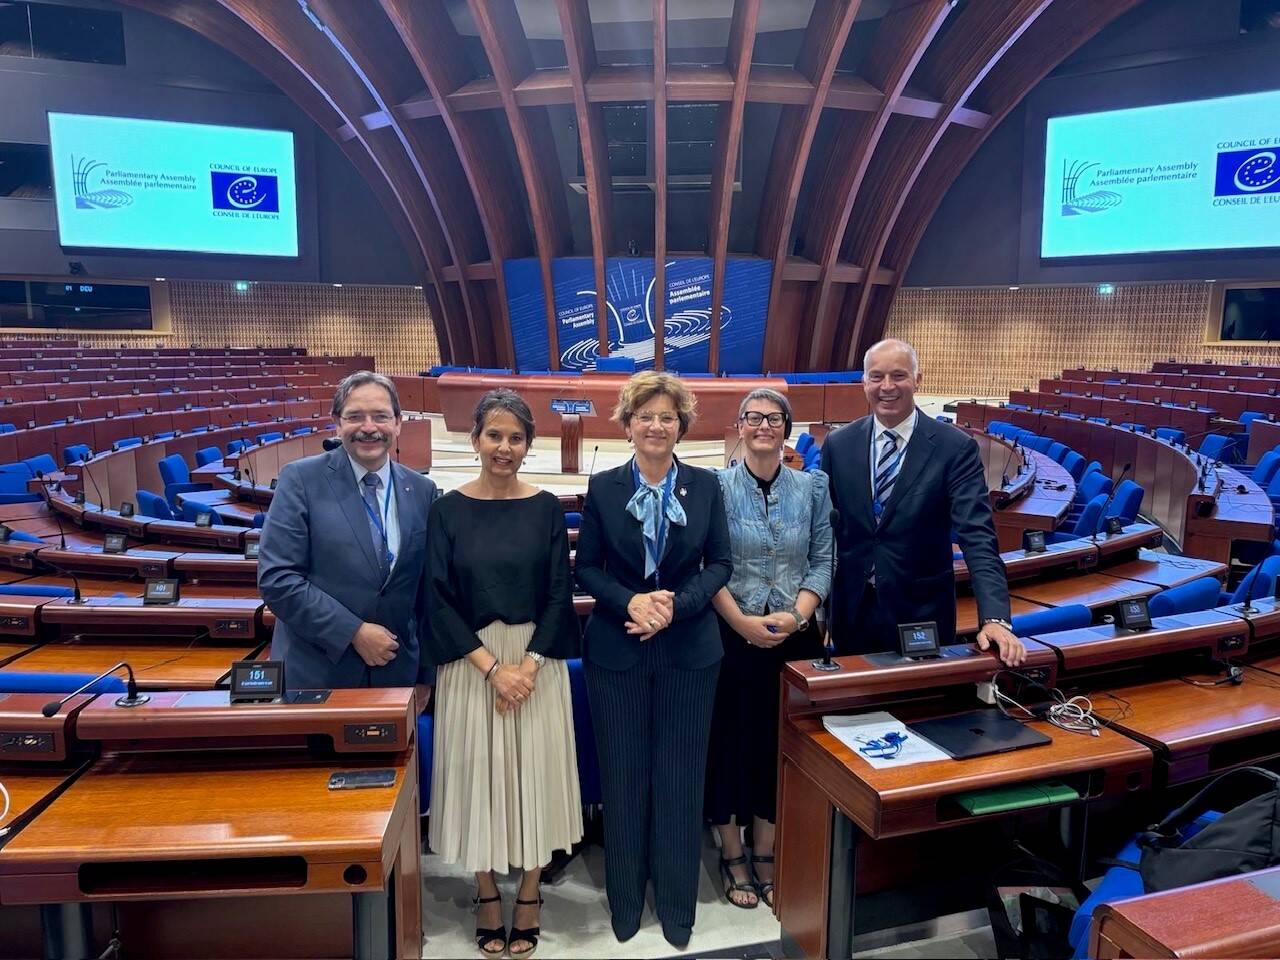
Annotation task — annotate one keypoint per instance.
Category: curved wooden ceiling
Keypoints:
(443, 108)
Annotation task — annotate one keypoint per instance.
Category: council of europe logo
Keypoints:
(259, 192)
(1242, 172)
(87, 199)
(1074, 204)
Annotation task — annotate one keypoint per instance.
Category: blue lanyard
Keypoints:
(381, 522)
(655, 551)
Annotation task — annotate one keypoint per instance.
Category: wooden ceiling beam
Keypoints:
(507, 48)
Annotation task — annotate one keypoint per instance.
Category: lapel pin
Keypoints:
(684, 492)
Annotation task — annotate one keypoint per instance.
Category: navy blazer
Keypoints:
(941, 488)
(696, 563)
(318, 572)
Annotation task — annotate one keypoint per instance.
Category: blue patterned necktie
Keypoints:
(887, 465)
(371, 483)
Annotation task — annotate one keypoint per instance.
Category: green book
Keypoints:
(1002, 799)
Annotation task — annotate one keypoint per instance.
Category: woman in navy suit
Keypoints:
(653, 549)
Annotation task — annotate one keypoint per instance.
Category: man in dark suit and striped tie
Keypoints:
(904, 485)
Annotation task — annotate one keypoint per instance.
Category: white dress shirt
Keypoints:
(878, 429)
(386, 511)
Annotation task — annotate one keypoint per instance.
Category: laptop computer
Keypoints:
(978, 733)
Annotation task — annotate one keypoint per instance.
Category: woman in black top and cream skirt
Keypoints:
(504, 784)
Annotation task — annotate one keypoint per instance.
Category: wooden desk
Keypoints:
(1218, 633)
(1165, 570)
(833, 807)
(967, 612)
(99, 588)
(1201, 731)
(157, 666)
(1231, 917)
(1094, 590)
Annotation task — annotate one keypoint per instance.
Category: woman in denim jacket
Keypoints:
(780, 531)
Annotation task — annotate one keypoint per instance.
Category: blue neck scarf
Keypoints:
(655, 506)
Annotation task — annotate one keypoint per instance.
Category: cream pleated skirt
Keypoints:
(504, 787)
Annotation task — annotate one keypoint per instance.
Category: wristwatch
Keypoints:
(1004, 623)
(537, 658)
(801, 622)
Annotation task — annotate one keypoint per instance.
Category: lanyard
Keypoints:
(655, 551)
(381, 523)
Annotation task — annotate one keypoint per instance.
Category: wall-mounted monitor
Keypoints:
(131, 184)
(1200, 175)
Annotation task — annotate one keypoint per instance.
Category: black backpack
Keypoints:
(1245, 838)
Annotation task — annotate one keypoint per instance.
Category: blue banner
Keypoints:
(630, 300)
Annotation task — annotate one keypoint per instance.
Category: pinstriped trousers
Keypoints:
(652, 725)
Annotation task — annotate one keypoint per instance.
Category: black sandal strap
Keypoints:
(764, 858)
(476, 901)
(531, 903)
(489, 935)
(735, 862)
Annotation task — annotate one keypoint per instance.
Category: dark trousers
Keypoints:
(652, 724)
(869, 627)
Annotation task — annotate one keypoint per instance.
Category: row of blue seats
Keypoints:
(628, 365)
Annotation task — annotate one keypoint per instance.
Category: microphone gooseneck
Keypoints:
(826, 664)
(131, 698)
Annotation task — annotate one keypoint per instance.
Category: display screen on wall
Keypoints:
(1202, 175)
(157, 185)
(630, 285)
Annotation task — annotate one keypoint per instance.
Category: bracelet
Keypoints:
(488, 674)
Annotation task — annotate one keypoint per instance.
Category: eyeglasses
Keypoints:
(755, 418)
(381, 419)
(667, 420)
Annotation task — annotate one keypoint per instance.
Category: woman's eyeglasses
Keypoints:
(667, 420)
(754, 419)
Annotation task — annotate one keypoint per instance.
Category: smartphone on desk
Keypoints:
(361, 779)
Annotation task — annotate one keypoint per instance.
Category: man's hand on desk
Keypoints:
(1010, 648)
(376, 644)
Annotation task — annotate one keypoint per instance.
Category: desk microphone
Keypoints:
(1246, 608)
(591, 471)
(826, 664)
(733, 451)
(1102, 517)
(48, 502)
(102, 503)
(331, 443)
(1004, 471)
(131, 698)
(77, 598)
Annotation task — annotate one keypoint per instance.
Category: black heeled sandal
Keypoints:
(528, 934)
(764, 888)
(744, 886)
(486, 935)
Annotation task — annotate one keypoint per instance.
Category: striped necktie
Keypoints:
(887, 465)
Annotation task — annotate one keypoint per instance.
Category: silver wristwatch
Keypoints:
(801, 622)
(1004, 623)
(537, 658)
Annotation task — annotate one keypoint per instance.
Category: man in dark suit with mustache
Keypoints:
(343, 552)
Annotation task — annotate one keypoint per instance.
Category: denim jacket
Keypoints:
(789, 549)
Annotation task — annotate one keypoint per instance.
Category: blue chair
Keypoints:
(1247, 418)
(1093, 467)
(13, 484)
(1265, 575)
(1102, 420)
(1074, 464)
(8, 428)
(1057, 451)
(804, 442)
(426, 755)
(153, 505)
(166, 435)
(21, 536)
(572, 519)
(1000, 428)
(127, 442)
(1217, 447)
(1273, 489)
(270, 437)
(41, 463)
(1265, 468)
(34, 590)
(1134, 427)
(1088, 488)
(1171, 434)
(302, 431)
(26, 681)
(1054, 620)
(259, 521)
(1040, 444)
(177, 479)
(1127, 501)
(615, 365)
(584, 736)
(1119, 883)
(1085, 525)
(207, 455)
(235, 446)
(812, 459)
(192, 510)
(76, 453)
(1201, 594)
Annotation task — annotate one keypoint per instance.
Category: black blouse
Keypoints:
(502, 560)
